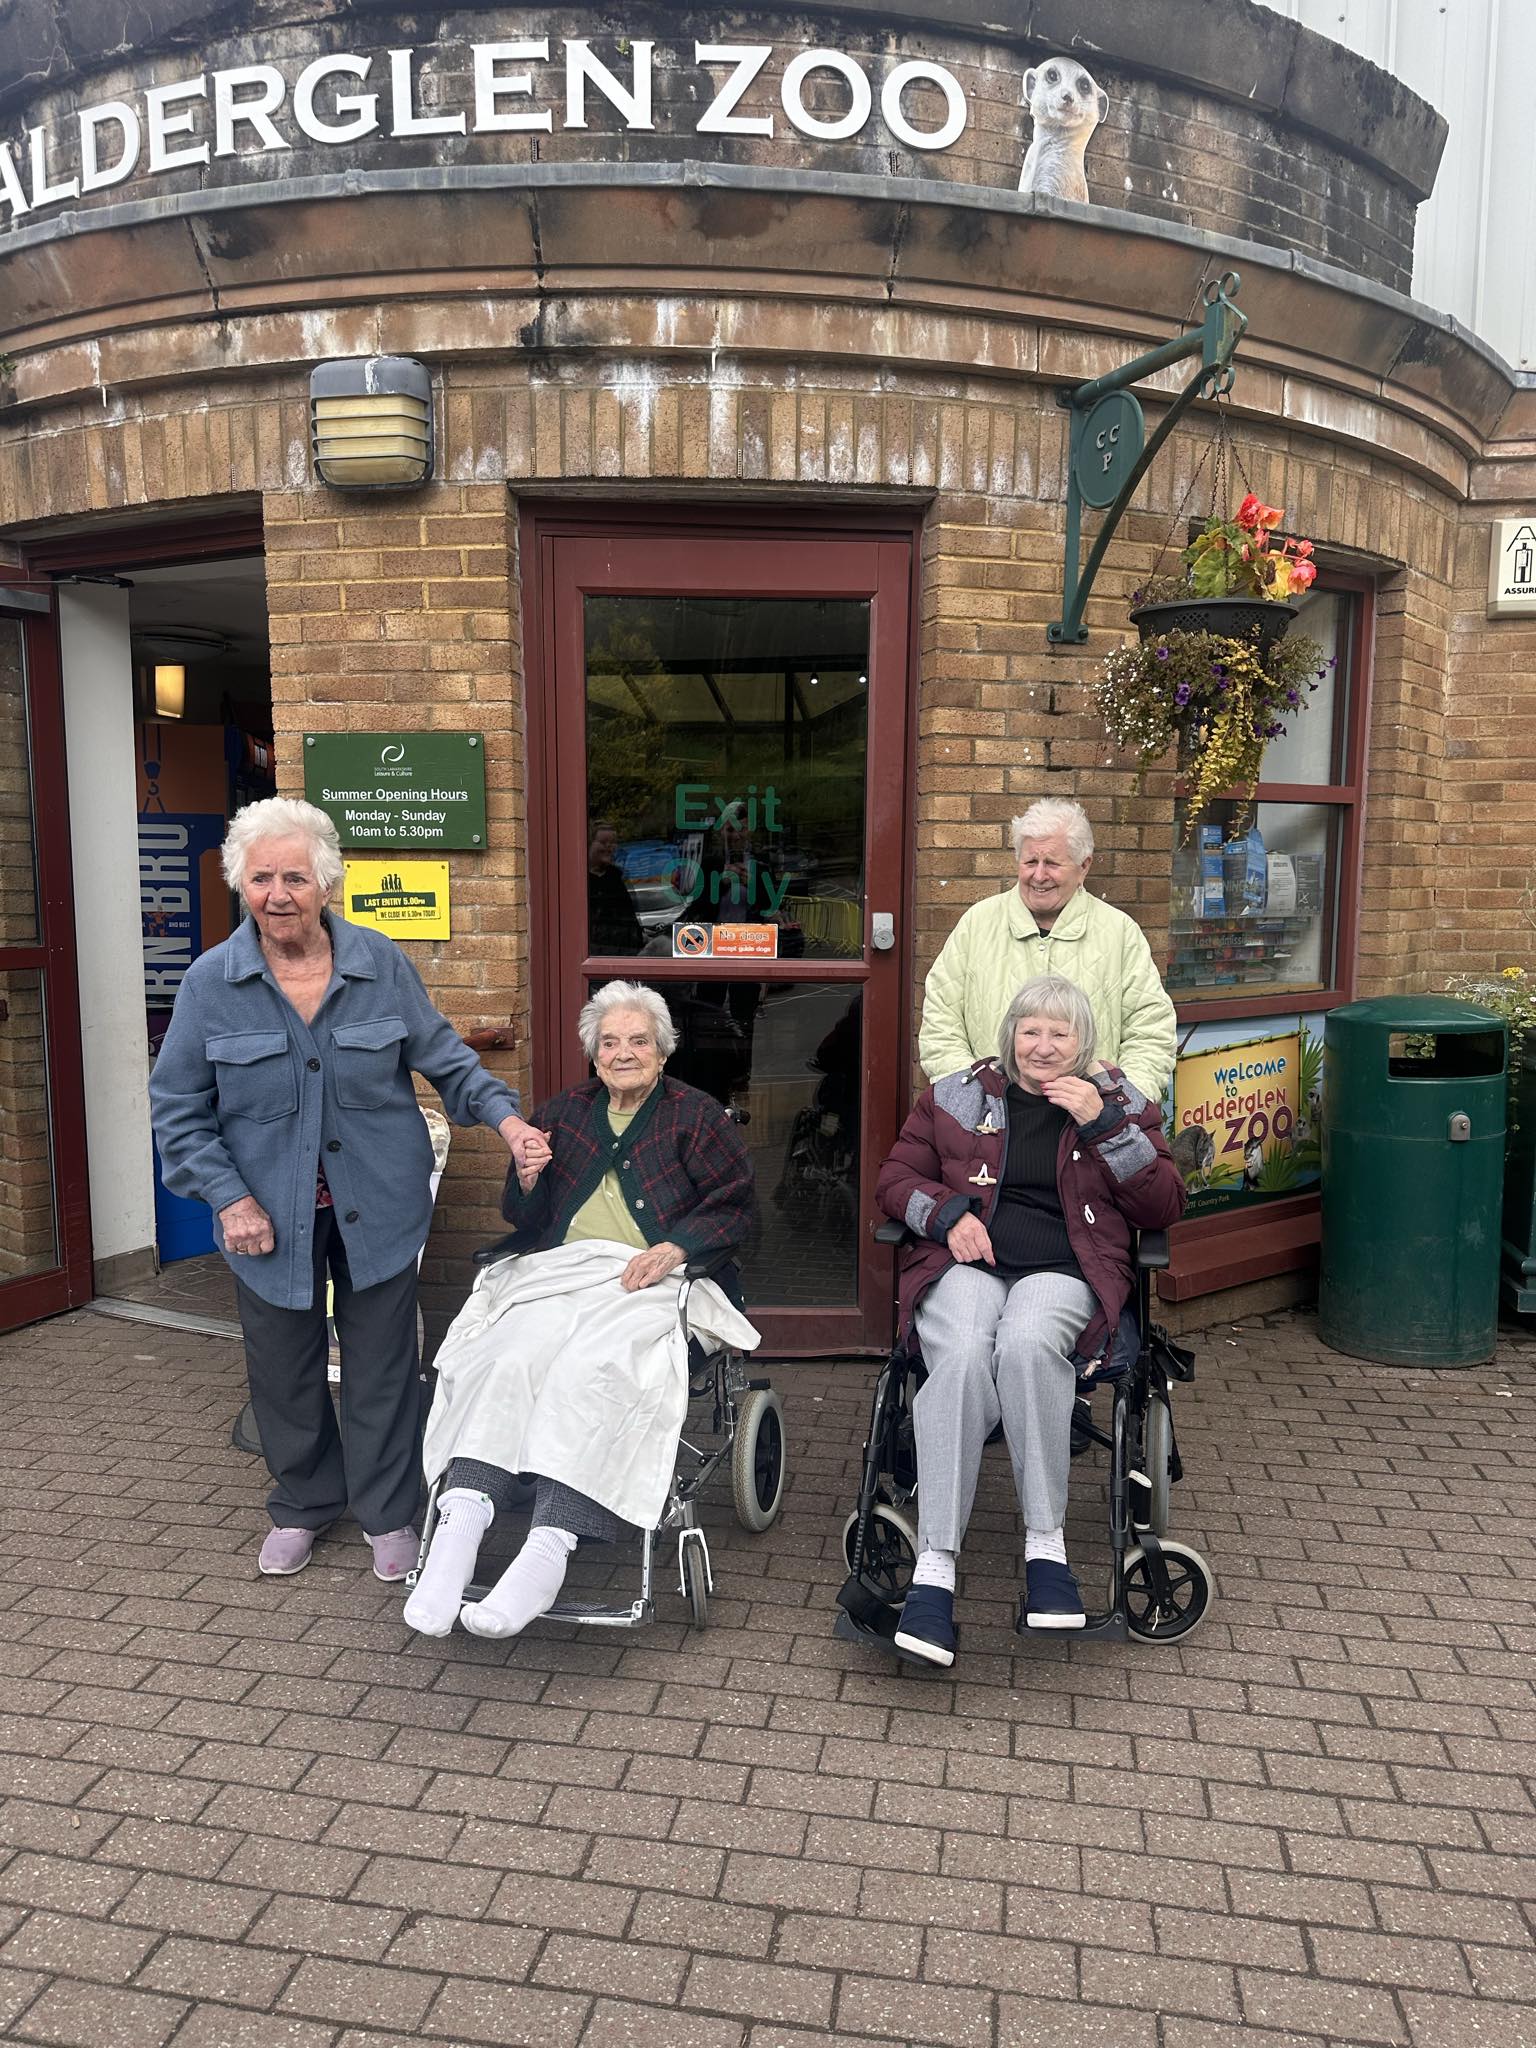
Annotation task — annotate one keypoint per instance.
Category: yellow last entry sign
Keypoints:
(406, 898)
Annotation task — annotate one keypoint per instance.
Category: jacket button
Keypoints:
(333, 1145)
(625, 1164)
(313, 1066)
(640, 1205)
(350, 1217)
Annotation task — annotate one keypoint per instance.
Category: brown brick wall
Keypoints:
(404, 612)
(1485, 916)
(389, 614)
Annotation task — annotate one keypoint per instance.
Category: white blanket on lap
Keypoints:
(583, 1383)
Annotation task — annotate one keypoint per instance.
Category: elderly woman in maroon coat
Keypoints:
(1022, 1179)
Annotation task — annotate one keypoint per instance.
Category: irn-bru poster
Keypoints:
(1243, 1126)
(182, 898)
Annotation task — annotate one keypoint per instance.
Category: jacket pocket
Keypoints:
(367, 1059)
(255, 1074)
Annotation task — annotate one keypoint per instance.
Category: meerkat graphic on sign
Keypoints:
(1512, 568)
(408, 899)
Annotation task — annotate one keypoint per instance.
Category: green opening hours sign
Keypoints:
(405, 789)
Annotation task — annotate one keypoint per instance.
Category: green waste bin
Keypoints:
(1413, 1165)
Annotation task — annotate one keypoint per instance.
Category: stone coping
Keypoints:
(1234, 49)
(979, 249)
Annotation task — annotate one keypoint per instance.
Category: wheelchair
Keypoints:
(1158, 1589)
(744, 1420)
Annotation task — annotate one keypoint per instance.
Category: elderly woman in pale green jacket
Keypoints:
(1049, 924)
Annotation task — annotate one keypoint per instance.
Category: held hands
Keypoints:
(647, 1267)
(529, 1147)
(1079, 1098)
(247, 1227)
(969, 1243)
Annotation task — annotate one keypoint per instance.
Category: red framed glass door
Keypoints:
(45, 1244)
(720, 718)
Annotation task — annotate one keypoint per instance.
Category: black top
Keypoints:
(1028, 1230)
(612, 926)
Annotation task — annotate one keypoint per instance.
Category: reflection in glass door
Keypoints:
(724, 711)
(44, 1238)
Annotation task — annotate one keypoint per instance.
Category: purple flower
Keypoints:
(1162, 654)
(1293, 697)
(1181, 694)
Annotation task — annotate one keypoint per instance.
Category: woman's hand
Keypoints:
(1079, 1098)
(969, 1243)
(647, 1267)
(529, 1147)
(247, 1227)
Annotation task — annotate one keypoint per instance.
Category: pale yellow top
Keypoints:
(605, 1213)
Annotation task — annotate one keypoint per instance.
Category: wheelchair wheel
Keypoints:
(696, 1585)
(757, 1460)
(889, 1554)
(1158, 1461)
(1190, 1586)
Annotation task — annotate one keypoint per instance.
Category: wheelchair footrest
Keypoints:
(635, 1615)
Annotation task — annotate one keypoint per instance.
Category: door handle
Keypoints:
(882, 931)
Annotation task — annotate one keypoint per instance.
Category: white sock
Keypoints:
(528, 1587)
(935, 1568)
(1051, 1543)
(450, 1565)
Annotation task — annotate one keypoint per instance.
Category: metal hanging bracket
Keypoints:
(1109, 453)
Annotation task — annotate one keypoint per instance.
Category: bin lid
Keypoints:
(1444, 1015)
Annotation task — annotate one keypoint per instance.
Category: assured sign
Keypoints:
(407, 789)
(1512, 568)
(535, 85)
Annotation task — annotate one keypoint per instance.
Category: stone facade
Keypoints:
(1210, 152)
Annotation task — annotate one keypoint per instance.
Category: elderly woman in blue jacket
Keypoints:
(282, 1098)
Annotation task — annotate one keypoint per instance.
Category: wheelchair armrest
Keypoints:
(1152, 1252)
(509, 1247)
(708, 1264)
(891, 1232)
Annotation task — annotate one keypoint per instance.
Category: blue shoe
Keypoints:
(1051, 1596)
(927, 1627)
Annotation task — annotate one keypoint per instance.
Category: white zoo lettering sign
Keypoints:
(258, 113)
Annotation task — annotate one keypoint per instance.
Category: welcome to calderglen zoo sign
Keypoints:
(530, 87)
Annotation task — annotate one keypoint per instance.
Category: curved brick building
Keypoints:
(731, 581)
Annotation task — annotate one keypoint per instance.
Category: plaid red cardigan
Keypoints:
(684, 1171)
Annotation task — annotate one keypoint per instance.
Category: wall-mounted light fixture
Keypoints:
(370, 423)
(170, 690)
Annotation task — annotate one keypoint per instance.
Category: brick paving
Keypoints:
(245, 1813)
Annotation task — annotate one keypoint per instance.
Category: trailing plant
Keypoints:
(1218, 698)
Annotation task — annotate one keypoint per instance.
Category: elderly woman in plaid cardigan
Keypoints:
(629, 1156)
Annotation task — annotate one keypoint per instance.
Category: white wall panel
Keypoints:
(1474, 60)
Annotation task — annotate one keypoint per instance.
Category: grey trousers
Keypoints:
(555, 1505)
(995, 1350)
(372, 1464)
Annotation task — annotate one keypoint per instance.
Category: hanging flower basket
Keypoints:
(1259, 622)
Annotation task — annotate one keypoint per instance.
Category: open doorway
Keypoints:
(202, 749)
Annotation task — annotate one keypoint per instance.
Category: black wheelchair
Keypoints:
(743, 1420)
(1158, 1589)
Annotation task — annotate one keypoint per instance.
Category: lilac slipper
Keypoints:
(394, 1553)
(286, 1551)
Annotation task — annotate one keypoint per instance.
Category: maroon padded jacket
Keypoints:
(1114, 1176)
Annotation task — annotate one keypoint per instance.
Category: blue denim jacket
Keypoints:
(248, 1100)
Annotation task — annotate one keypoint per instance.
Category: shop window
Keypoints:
(1263, 920)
